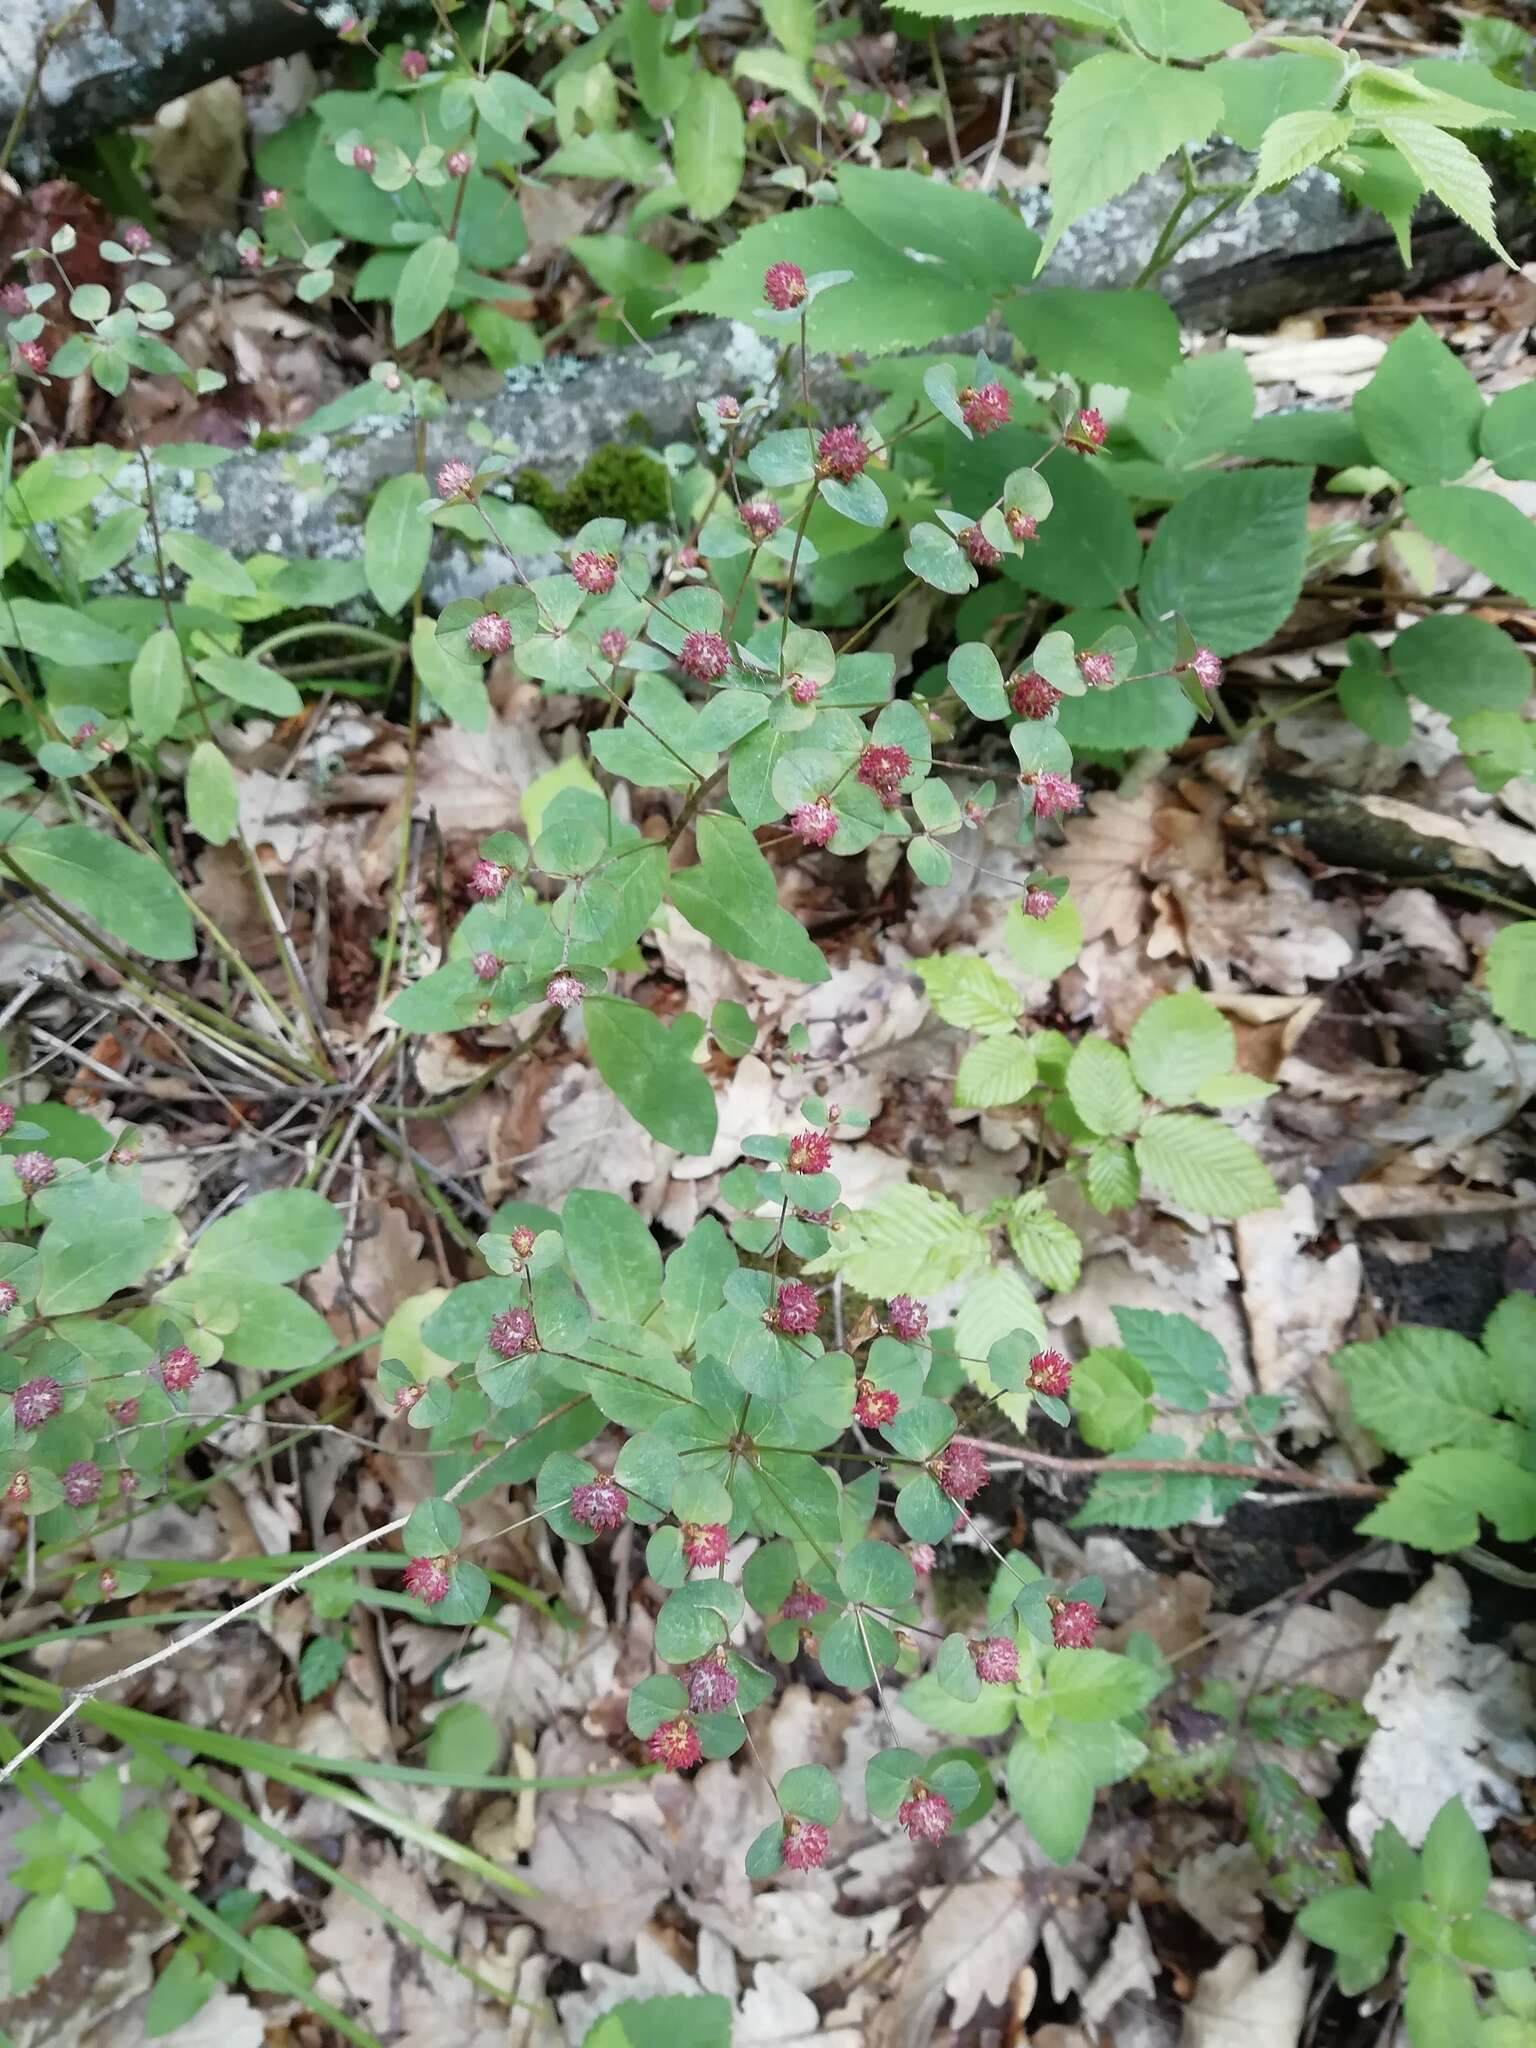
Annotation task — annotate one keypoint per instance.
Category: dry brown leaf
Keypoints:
(1240, 2005)
(1104, 859)
(197, 146)
(1299, 1308)
(474, 781)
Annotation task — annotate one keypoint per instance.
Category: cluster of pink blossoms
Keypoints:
(599, 1504)
(810, 1152)
(883, 769)
(795, 1311)
(1050, 1372)
(814, 823)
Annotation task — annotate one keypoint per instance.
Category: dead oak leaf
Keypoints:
(1104, 861)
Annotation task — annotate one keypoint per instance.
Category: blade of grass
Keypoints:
(176, 1900)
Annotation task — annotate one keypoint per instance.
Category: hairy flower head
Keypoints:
(784, 286)
(512, 1333)
(906, 1318)
(815, 823)
(594, 572)
(600, 1504)
(961, 1470)
(1050, 1372)
(704, 656)
(705, 1544)
(985, 408)
(795, 1310)
(1073, 1624)
(36, 1402)
(429, 1578)
(674, 1744)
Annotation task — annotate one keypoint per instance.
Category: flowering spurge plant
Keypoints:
(715, 1365)
(109, 1321)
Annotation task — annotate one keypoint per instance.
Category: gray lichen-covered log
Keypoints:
(1290, 249)
(106, 62)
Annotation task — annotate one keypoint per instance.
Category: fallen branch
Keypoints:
(1190, 1468)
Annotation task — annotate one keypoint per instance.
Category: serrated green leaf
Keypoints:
(1422, 412)
(1048, 1249)
(1435, 1505)
(1445, 166)
(1102, 1088)
(995, 1072)
(1481, 527)
(1204, 1166)
(969, 993)
(1294, 142)
(909, 1241)
(1179, 1043)
(1114, 118)
(1423, 1390)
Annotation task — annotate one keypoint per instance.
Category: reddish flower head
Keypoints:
(996, 1660)
(922, 1557)
(31, 355)
(363, 157)
(611, 645)
(595, 573)
(106, 1583)
(711, 1685)
(784, 286)
(810, 1152)
(804, 689)
(599, 1504)
(1206, 664)
(487, 879)
(19, 1492)
(980, 551)
(1098, 669)
(705, 1544)
(429, 1579)
(523, 1240)
(251, 257)
(1038, 903)
(704, 656)
(926, 1816)
(271, 195)
(674, 1744)
(1073, 1623)
(8, 1297)
(407, 1397)
(762, 519)
(795, 1311)
(454, 479)
(413, 64)
(7, 1118)
(1088, 432)
(564, 990)
(1031, 695)
(486, 966)
(727, 409)
(137, 238)
(82, 1483)
(803, 1603)
(881, 769)
(874, 1406)
(815, 822)
(179, 1370)
(490, 633)
(961, 1470)
(1021, 524)
(986, 409)
(842, 452)
(512, 1333)
(34, 1170)
(1055, 796)
(907, 1319)
(458, 163)
(1050, 1372)
(36, 1402)
(805, 1844)
(13, 299)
